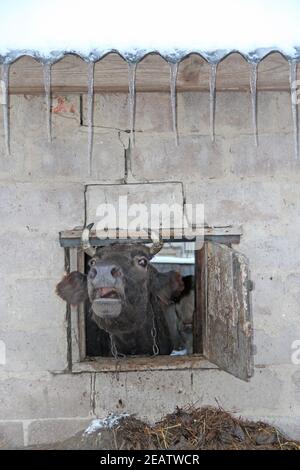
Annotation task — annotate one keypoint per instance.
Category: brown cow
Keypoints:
(128, 295)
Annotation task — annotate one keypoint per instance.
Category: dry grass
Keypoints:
(200, 428)
(187, 428)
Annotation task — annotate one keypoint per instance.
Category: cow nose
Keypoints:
(92, 273)
(116, 271)
(104, 274)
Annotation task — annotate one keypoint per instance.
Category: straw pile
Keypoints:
(187, 428)
(199, 429)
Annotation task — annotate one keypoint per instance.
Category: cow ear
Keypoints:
(172, 288)
(177, 284)
(73, 288)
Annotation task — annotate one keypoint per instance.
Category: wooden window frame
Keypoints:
(78, 362)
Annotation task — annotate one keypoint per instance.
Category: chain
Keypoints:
(116, 356)
(113, 348)
(155, 347)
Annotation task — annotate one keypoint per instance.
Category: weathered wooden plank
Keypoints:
(111, 75)
(74, 330)
(108, 364)
(81, 311)
(200, 290)
(227, 235)
(227, 319)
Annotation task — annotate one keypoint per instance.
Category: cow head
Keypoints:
(119, 283)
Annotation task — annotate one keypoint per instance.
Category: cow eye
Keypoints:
(92, 262)
(143, 262)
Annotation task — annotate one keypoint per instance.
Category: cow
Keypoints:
(179, 316)
(128, 295)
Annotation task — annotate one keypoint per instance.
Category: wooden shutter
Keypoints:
(223, 309)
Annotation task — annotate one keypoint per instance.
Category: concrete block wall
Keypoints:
(42, 189)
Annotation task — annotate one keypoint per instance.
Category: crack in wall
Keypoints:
(85, 203)
(68, 316)
(127, 164)
(93, 394)
(81, 110)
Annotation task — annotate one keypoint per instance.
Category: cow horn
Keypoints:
(156, 246)
(85, 241)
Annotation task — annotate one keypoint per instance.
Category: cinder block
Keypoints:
(274, 155)
(49, 396)
(267, 390)
(156, 157)
(29, 137)
(55, 430)
(42, 350)
(193, 113)
(152, 394)
(275, 348)
(35, 208)
(11, 435)
(31, 254)
(274, 113)
(237, 201)
(30, 305)
(111, 111)
(234, 113)
(275, 300)
(66, 156)
(153, 114)
(272, 253)
(108, 161)
(146, 194)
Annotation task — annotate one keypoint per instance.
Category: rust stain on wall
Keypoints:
(63, 105)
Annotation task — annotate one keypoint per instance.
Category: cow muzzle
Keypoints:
(107, 302)
(106, 286)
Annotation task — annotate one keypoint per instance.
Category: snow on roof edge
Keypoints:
(135, 55)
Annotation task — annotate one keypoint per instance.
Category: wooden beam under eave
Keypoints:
(69, 75)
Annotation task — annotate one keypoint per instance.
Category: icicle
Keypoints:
(253, 90)
(47, 86)
(131, 99)
(212, 99)
(90, 113)
(5, 106)
(293, 88)
(173, 79)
